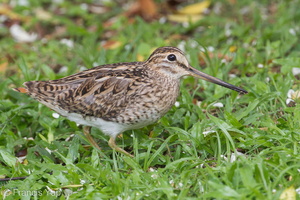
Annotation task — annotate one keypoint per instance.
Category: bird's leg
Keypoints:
(86, 132)
(112, 144)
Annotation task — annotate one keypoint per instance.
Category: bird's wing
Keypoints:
(99, 92)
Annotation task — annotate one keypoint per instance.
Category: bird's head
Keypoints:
(172, 62)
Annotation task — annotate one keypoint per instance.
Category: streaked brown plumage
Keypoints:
(122, 96)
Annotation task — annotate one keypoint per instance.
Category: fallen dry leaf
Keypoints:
(264, 128)
(147, 9)
(232, 1)
(111, 44)
(98, 9)
(190, 13)
(42, 14)
(194, 9)
(6, 10)
(3, 65)
(184, 18)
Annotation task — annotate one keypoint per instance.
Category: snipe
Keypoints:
(122, 96)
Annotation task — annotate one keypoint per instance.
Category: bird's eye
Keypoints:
(171, 57)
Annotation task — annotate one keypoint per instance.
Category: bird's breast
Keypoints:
(150, 103)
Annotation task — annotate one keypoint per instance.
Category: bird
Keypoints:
(122, 96)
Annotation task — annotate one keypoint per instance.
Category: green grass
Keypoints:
(250, 149)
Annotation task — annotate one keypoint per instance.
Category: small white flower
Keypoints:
(200, 166)
(82, 181)
(288, 101)
(224, 61)
(225, 158)
(210, 49)
(181, 45)
(254, 42)
(298, 190)
(119, 198)
(127, 47)
(268, 79)
(218, 105)
(23, 3)
(205, 133)
(246, 45)
(227, 32)
(95, 64)
(232, 75)
(84, 6)
(234, 156)
(292, 31)
(21, 159)
(67, 42)
(162, 20)
(198, 103)
(55, 115)
(20, 35)
(185, 24)
(63, 69)
(82, 68)
(152, 169)
(194, 44)
(290, 93)
(177, 104)
(202, 49)
(295, 71)
(180, 184)
(171, 182)
(260, 65)
(154, 176)
(274, 190)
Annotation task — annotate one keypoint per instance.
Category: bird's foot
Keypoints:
(112, 144)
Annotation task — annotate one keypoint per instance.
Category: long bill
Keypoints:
(198, 74)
